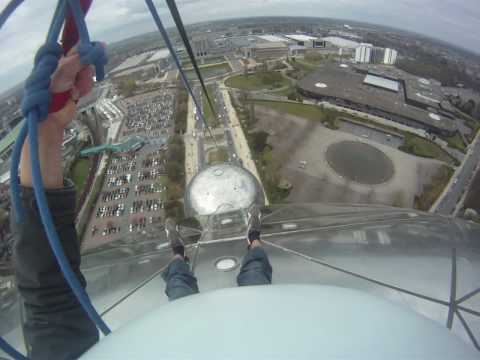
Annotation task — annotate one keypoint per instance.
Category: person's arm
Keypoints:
(56, 326)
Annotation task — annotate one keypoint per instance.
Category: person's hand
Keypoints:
(70, 75)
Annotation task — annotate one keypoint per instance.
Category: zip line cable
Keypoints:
(183, 34)
(183, 76)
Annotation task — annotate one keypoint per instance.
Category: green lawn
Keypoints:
(301, 69)
(421, 147)
(207, 111)
(269, 80)
(307, 111)
(310, 112)
(79, 174)
(208, 71)
(474, 125)
(456, 142)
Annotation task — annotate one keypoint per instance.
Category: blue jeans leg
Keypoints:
(256, 268)
(180, 280)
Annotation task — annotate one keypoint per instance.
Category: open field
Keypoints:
(421, 147)
(310, 112)
(414, 145)
(269, 80)
(296, 139)
(456, 142)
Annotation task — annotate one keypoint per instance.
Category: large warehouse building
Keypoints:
(394, 95)
(266, 51)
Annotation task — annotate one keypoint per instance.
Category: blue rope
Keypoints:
(170, 47)
(8, 10)
(35, 108)
(9, 350)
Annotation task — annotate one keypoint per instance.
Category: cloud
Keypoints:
(455, 21)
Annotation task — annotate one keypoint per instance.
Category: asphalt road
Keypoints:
(461, 182)
(223, 114)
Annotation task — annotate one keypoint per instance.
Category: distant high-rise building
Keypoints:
(377, 55)
(363, 53)
(201, 46)
(369, 54)
(390, 57)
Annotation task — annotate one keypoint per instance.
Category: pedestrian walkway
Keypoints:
(239, 139)
(191, 144)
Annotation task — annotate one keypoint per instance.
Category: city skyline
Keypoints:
(116, 20)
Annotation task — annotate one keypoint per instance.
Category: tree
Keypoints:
(174, 191)
(174, 209)
(469, 107)
(128, 87)
(251, 115)
(181, 109)
(176, 140)
(4, 224)
(176, 153)
(258, 141)
(175, 171)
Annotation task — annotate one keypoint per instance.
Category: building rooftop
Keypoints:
(428, 92)
(272, 38)
(381, 82)
(5, 177)
(348, 84)
(133, 61)
(341, 42)
(301, 37)
(160, 54)
(269, 45)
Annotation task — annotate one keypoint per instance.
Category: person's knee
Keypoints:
(180, 291)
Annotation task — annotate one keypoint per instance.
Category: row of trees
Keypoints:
(176, 177)
(267, 166)
(181, 109)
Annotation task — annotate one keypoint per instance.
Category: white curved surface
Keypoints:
(282, 322)
(221, 188)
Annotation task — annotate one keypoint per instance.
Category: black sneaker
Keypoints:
(174, 237)
(254, 223)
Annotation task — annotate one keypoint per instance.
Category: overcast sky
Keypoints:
(455, 21)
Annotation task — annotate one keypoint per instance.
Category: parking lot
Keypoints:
(134, 191)
(371, 133)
